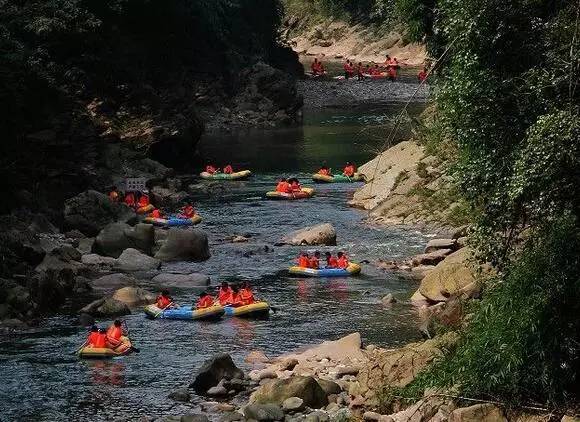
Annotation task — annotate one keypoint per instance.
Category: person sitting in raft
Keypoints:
(205, 301)
(283, 186)
(97, 338)
(422, 75)
(156, 213)
(234, 298)
(317, 68)
(228, 169)
(211, 169)
(325, 171)
(331, 262)
(392, 73)
(246, 295)
(376, 70)
(349, 169)
(314, 262)
(144, 200)
(164, 300)
(224, 293)
(114, 194)
(114, 333)
(303, 260)
(348, 69)
(294, 185)
(93, 336)
(367, 70)
(360, 71)
(130, 199)
(187, 211)
(342, 261)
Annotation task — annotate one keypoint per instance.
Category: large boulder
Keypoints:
(431, 258)
(184, 245)
(305, 388)
(213, 370)
(263, 412)
(449, 277)
(435, 244)
(116, 237)
(181, 280)
(106, 307)
(134, 296)
(91, 211)
(133, 260)
(321, 234)
(485, 412)
(111, 282)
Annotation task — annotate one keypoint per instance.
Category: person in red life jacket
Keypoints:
(348, 69)
(164, 300)
(187, 211)
(367, 70)
(325, 171)
(422, 75)
(99, 340)
(317, 68)
(114, 333)
(387, 62)
(314, 262)
(224, 293)
(294, 185)
(234, 298)
(93, 335)
(303, 260)
(205, 301)
(114, 194)
(143, 200)
(376, 70)
(130, 199)
(228, 169)
(392, 74)
(283, 186)
(342, 261)
(211, 169)
(156, 213)
(246, 295)
(331, 262)
(349, 169)
(360, 71)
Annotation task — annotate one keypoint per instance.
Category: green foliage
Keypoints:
(524, 341)
(377, 12)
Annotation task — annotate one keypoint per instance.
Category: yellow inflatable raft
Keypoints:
(255, 309)
(352, 269)
(239, 175)
(302, 194)
(104, 352)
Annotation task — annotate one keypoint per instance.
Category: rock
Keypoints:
(86, 320)
(213, 370)
(263, 412)
(288, 364)
(180, 394)
(85, 245)
(422, 410)
(293, 404)
(239, 239)
(61, 258)
(346, 370)
(98, 260)
(133, 260)
(431, 258)
(567, 418)
(134, 296)
(232, 417)
(91, 211)
(371, 416)
(184, 245)
(217, 391)
(236, 384)
(107, 307)
(478, 413)
(181, 280)
(435, 244)
(329, 387)
(321, 234)
(420, 271)
(318, 416)
(279, 390)
(448, 277)
(263, 374)
(341, 414)
(168, 198)
(196, 417)
(111, 282)
(257, 356)
(116, 237)
(388, 299)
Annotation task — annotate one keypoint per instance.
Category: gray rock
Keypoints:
(91, 211)
(97, 260)
(133, 260)
(321, 234)
(329, 387)
(431, 258)
(85, 245)
(231, 417)
(371, 416)
(184, 245)
(293, 404)
(111, 282)
(217, 391)
(388, 299)
(317, 416)
(195, 417)
(181, 280)
(181, 394)
(107, 307)
(263, 412)
(435, 244)
(116, 237)
(134, 296)
(279, 390)
(214, 370)
(342, 414)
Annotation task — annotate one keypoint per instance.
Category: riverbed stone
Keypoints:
(114, 238)
(181, 394)
(431, 258)
(329, 387)
(232, 417)
(111, 282)
(257, 356)
(213, 370)
(485, 412)
(195, 417)
(317, 416)
(293, 404)
(263, 412)
(321, 234)
(132, 260)
(134, 296)
(96, 260)
(181, 280)
(389, 299)
(217, 391)
(435, 244)
(184, 245)
(278, 390)
(106, 307)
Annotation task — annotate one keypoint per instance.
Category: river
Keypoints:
(43, 381)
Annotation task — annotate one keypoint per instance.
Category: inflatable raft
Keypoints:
(105, 352)
(352, 269)
(337, 178)
(256, 309)
(303, 194)
(185, 312)
(244, 174)
(173, 221)
(145, 209)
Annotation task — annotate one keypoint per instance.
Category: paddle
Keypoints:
(161, 310)
(133, 348)
(76, 352)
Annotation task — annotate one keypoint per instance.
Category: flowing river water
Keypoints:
(43, 381)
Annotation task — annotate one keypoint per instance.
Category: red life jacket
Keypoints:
(224, 295)
(114, 332)
(155, 213)
(204, 302)
(332, 262)
(188, 211)
(210, 169)
(92, 340)
(314, 263)
(246, 296)
(144, 201)
(349, 171)
(130, 199)
(392, 72)
(100, 341)
(342, 262)
(295, 187)
(324, 172)
(422, 76)
(303, 262)
(163, 301)
(228, 169)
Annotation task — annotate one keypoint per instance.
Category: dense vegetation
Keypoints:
(375, 12)
(507, 99)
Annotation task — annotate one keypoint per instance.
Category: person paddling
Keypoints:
(144, 200)
(130, 199)
(294, 185)
(228, 169)
(246, 295)
(342, 261)
(224, 293)
(164, 300)
(187, 211)
(156, 213)
(283, 186)
(93, 336)
(422, 76)
(114, 333)
(331, 262)
(349, 169)
(205, 301)
(211, 169)
(325, 171)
